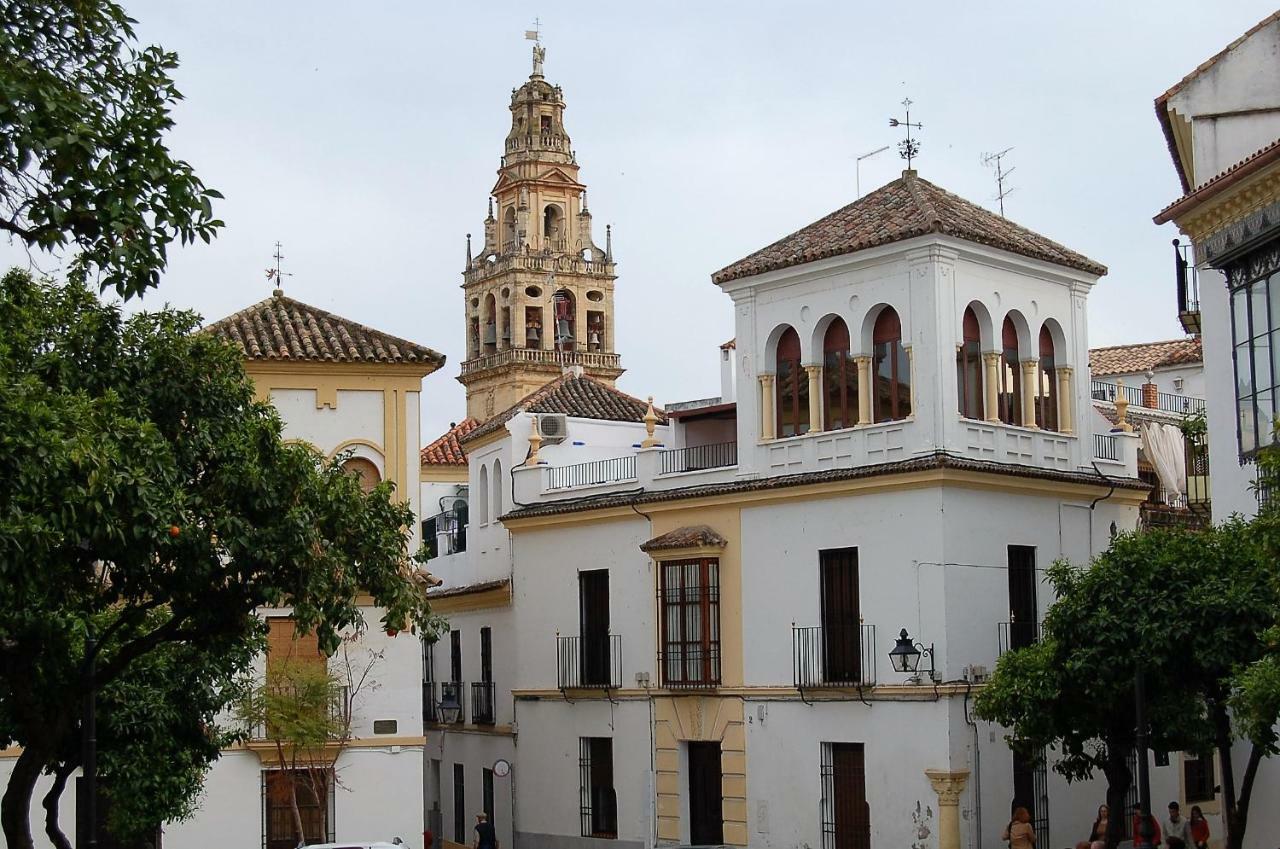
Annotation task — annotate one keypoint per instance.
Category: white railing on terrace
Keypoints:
(592, 473)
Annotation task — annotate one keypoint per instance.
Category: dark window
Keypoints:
(593, 623)
(793, 387)
(841, 628)
(846, 816)
(598, 801)
(314, 790)
(1198, 777)
(486, 654)
(839, 377)
(969, 368)
(455, 656)
(1023, 615)
(486, 791)
(1047, 388)
(690, 596)
(1031, 791)
(459, 805)
(1010, 397)
(706, 804)
(1255, 334)
(429, 681)
(891, 365)
(545, 123)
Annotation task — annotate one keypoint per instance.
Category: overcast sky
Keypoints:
(365, 137)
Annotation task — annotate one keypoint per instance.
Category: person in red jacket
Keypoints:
(1137, 829)
(1199, 828)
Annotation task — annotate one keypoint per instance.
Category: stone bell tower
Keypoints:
(539, 295)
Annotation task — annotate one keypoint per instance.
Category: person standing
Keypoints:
(1019, 832)
(1177, 831)
(486, 837)
(1199, 828)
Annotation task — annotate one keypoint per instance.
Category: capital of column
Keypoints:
(766, 380)
(948, 784)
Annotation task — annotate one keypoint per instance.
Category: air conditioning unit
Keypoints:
(976, 674)
(553, 427)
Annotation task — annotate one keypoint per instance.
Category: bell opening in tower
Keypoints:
(533, 328)
(565, 314)
(595, 330)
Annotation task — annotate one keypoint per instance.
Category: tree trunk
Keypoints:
(15, 808)
(1234, 837)
(1246, 789)
(1118, 781)
(51, 799)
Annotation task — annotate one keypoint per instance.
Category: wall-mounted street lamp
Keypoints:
(906, 654)
(450, 707)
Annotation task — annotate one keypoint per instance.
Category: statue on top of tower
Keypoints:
(539, 56)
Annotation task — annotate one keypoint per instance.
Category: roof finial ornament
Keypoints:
(608, 243)
(277, 275)
(539, 52)
(908, 148)
(468, 250)
(490, 209)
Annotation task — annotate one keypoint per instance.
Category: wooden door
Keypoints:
(593, 613)
(706, 805)
(850, 813)
(841, 628)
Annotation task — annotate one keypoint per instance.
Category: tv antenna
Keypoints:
(276, 274)
(857, 167)
(993, 161)
(908, 148)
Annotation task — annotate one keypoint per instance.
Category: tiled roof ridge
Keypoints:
(529, 402)
(1138, 357)
(446, 450)
(912, 181)
(1154, 344)
(1259, 159)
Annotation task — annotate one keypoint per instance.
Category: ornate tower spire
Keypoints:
(539, 297)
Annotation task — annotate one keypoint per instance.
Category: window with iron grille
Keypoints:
(459, 805)
(846, 816)
(314, 790)
(690, 602)
(1197, 777)
(486, 794)
(598, 802)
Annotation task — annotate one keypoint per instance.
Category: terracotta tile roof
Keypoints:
(692, 536)
(730, 345)
(1144, 356)
(468, 589)
(286, 330)
(447, 450)
(1251, 164)
(575, 395)
(937, 460)
(907, 207)
(1136, 414)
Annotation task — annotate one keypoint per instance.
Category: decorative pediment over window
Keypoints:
(686, 541)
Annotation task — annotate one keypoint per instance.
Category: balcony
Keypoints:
(698, 458)
(1016, 635)
(690, 667)
(833, 657)
(537, 356)
(1106, 447)
(590, 663)
(482, 703)
(592, 473)
(1188, 287)
(445, 533)
(430, 716)
(537, 263)
(339, 718)
(1165, 402)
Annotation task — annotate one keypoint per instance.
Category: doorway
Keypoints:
(706, 811)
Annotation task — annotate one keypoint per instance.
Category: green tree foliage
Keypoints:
(146, 490)
(83, 163)
(1186, 608)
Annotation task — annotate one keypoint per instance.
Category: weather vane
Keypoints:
(539, 52)
(276, 274)
(908, 148)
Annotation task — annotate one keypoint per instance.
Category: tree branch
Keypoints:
(50, 802)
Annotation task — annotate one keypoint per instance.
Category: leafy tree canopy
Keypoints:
(83, 163)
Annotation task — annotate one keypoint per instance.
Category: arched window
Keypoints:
(969, 368)
(839, 377)
(482, 505)
(551, 223)
(365, 471)
(497, 489)
(793, 387)
(509, 230)
(489, 330)
(1047, 385)
(1010, 400)
(891, 399)
(565, 311)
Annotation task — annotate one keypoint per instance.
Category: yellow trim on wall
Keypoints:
(433, 473)
(482, 600)
(701, 718)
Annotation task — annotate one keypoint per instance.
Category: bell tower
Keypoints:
(539, 295)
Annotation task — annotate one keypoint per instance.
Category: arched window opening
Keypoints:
(793, 387)
(509, 230)
(839, 378)
(364, 471)
(969, 368)
(551, 220)
(490, 328)
(1047, 384)
(482, 506)
(892, 368)
(566, 314)
(498, 507)
(1010, 399)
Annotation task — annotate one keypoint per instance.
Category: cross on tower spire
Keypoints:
(908, 148)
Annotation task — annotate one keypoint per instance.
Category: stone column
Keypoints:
(948, 784)
(767, 401)
(580, 317)
(1066, 405)
(1030, 368)
(864, 389)
(815, 398)
(991, 386)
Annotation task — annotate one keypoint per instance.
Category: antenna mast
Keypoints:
(993, 161)
(276, 274)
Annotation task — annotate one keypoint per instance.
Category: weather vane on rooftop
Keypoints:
(908, 148)
(276, 274)
(539, 52)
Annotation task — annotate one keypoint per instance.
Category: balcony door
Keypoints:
(1023, 615)
(706, 804)
(593, 615)
(841, 626)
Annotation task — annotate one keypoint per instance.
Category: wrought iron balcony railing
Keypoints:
(1105, 447)
(833, 656)
(1016, 635)
(687, 666)
(590, 662)
(613, 470)
(1188, 287)
(482, 702)
(698, 457)
(430, 715)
